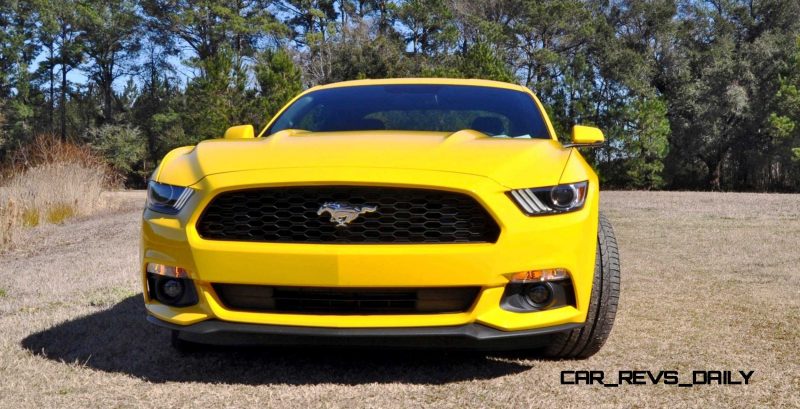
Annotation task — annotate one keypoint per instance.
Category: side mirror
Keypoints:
(240, 132)
(586, 136)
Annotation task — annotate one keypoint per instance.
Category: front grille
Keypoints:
(290, 215)
(346, 301)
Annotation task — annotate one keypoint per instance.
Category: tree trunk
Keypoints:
(63, 107)
(714, 174)
(52, 90)
(108, 94)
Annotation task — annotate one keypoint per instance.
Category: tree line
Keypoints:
(691, 94)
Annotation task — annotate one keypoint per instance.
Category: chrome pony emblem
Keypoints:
(342, 214)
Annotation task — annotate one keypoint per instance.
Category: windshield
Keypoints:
(443, 108)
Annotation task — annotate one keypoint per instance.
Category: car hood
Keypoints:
(512, 162)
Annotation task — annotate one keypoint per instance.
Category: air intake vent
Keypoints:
(396, 215)
(344, 301)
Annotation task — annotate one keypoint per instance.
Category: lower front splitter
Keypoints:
(469, 336)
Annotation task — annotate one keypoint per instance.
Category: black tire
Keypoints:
(581, 343)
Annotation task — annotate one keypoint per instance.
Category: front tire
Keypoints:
(581, 343)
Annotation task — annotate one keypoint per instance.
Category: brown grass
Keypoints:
(10, 218)
(52, 181)
(710, 282)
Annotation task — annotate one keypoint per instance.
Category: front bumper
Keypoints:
(469, 336)
(525, 243)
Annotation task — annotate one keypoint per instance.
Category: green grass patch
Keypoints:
(3, 292)
(60, 212)
(30, 217)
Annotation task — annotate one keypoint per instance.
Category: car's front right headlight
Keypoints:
(167, 199)
(564, 198)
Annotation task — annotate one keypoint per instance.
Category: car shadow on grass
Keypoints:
(120, 340)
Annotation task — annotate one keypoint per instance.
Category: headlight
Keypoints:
(552, 199)
(167, 198)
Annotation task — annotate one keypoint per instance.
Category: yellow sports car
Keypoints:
(403, 212)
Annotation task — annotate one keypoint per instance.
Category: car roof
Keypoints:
(423, 81)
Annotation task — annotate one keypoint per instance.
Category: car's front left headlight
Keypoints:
(564, 198)
(167, 199)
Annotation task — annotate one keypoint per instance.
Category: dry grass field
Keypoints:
(711, 281)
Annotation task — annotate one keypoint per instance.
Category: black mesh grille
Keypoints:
(289, 215)
(314, 300)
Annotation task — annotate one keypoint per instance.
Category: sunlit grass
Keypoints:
(9, 219)
(30, 217)
(59, 213)
(59, 181)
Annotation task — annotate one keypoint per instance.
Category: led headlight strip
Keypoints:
(167, 199)
(563, 198)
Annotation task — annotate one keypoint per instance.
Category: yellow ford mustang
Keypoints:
(410, 212)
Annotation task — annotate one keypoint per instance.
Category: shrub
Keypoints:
(47, 149)
(123, 146)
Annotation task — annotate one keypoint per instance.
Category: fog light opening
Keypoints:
(175, 292)
(538, 290)
(539, 295)
(172, 288)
